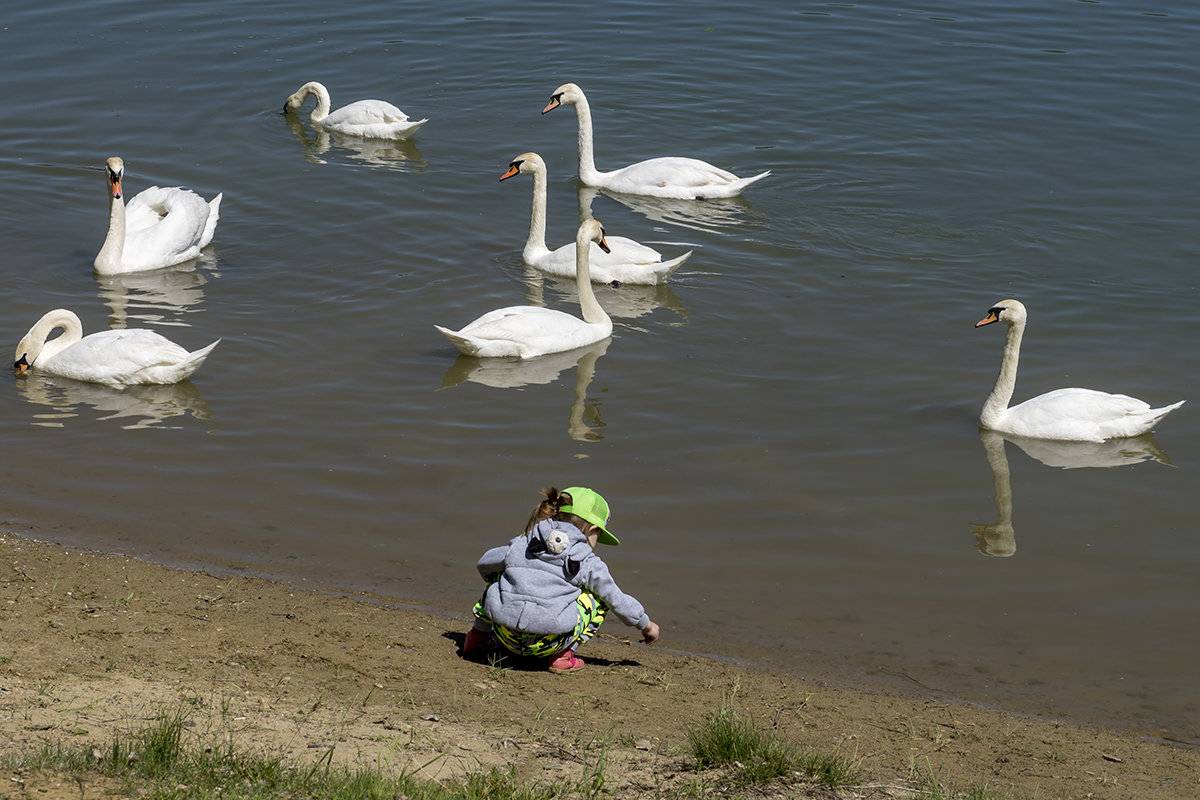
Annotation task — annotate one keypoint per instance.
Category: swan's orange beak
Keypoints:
(603, 244)
(512, 170)
(116, 189)
(554, 103)
(991, 317)
(21, 367)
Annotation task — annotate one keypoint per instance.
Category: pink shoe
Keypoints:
(566, 662)
(476, 642)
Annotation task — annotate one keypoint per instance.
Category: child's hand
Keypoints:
(650, 632)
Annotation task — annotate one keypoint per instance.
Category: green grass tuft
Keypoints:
(726, 739)
(159, 763)
(930, 788)
(498, 784)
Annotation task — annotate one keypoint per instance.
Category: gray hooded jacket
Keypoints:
(540, 577)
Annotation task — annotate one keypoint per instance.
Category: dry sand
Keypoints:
(97, 645)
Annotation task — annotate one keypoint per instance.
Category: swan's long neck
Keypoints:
(1006, 381)
(593, 312)
(113, 250)
(35, 346)
(535, 245)
(321, 111)
(587, 164)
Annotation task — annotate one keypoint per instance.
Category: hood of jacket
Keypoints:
(537, 590)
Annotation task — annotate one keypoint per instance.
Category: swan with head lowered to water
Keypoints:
(370, 119)
(1077, 415)
(113, 357)
(531, 331)
(626, 261)
(156, 229)
(672, 176)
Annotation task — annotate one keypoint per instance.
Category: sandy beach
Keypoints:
(97, 645)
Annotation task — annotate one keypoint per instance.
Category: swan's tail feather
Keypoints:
(744, 182)
(732, 188)
(413, 128)
(666, 268)
(1156, 414)
(210, 225)
(196, 359)
(464, 345)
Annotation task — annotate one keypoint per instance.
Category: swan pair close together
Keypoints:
(670, 177)
(626, 261)
(370, 119)
(114, 357)
(1078, 415)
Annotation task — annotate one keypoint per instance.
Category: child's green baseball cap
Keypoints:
(590, 506)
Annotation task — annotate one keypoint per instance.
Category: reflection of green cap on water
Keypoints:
(590, 506)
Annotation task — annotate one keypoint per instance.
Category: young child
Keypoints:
(547, 590)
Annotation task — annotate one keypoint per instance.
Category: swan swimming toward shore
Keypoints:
(157, 228)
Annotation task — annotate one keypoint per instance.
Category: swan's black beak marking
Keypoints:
(114, 178)
(513, 169)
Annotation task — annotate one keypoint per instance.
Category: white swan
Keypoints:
(626, 261)
(113, 357)
(158, 228)
(1077, 415)
(672, 177)
(531, 331)
(370, 119)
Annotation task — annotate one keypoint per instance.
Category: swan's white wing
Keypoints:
(627, 262)
(672, 170)
(1083, 415)
(126, 357)
(214, 215)
(366, 112)
(524, 332)
(622, 250)
(164, 227)
(113, 356)
(372, 119)
(674, 177)
(523, 324)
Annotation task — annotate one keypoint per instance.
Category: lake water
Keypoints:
(787, 431)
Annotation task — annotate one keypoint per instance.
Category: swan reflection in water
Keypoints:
(627, 301)
(998, 539)
(700, 215)
(159, 296)
(396, 154)
(140, 406)
(583, 421)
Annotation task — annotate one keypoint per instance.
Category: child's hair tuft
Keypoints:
(548, 508)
